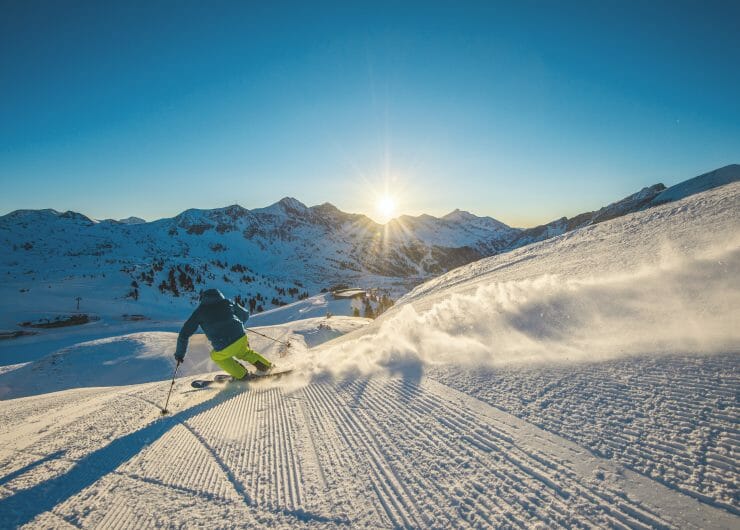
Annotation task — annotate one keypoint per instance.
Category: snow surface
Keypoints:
(707, 181)
(312, 307)
(590, 380)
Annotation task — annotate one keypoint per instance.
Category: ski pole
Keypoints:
(263, 335)
(164, 410)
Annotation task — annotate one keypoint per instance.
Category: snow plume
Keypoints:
(676, 305)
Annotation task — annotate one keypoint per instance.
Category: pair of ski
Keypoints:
(225, 378)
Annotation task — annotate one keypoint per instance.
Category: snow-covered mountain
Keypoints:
(127, 221)
(266, 256)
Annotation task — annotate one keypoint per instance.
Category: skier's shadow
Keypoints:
(25, 469)
(23, 506)
(409, 373)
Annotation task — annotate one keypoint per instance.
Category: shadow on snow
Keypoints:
(24, 505)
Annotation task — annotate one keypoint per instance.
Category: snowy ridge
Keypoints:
(127, 221)
(695, 227)
(707, 181)
(645, 198)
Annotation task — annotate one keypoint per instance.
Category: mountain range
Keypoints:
(273, 255)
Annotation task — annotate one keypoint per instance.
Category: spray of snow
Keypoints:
(675, 305)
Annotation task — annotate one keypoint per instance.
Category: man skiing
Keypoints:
(223, 323)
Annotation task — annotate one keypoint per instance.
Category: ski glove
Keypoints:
(179, 357)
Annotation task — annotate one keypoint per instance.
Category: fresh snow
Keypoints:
(589, 380)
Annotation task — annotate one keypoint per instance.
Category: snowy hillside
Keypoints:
(707, 181)
(586, 381)
(627, 327)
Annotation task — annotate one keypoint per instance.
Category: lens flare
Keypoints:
(386, 207)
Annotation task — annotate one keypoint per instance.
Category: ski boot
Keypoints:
(262, 368)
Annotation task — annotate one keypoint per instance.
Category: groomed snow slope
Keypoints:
(519, 391)
(380, 452)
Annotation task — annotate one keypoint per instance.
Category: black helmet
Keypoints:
(210, 295)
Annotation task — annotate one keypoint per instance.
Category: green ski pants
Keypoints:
(238, 349)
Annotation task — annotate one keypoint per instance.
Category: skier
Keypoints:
(223, 323)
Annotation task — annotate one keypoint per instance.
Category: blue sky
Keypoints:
(525, 111)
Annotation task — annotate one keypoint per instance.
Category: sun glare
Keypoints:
(386, 208)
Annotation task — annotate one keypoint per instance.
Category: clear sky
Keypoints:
(524, 111)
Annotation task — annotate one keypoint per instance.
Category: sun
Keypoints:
(386, 207)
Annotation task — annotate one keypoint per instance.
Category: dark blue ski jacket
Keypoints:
(221, 320)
